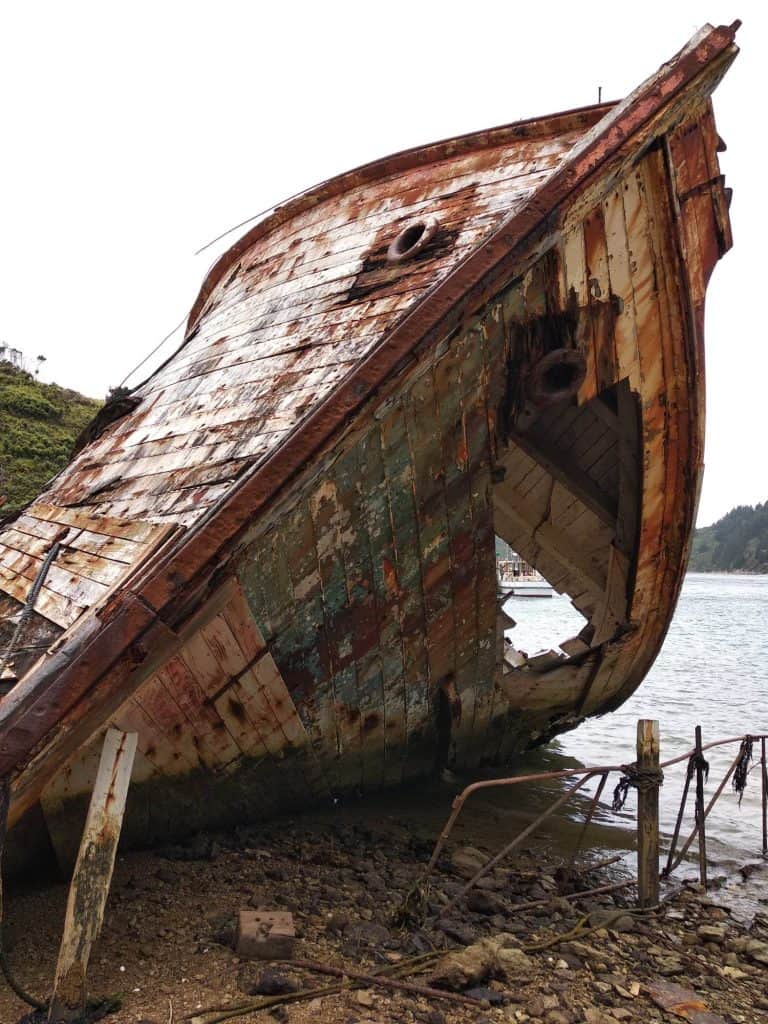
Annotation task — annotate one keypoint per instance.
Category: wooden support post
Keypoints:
(92, 875)
(764, 774)
(700, 814)
(648, 815)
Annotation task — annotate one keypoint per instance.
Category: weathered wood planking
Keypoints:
(92, 876)
(96, 553)
(364, 645)
(198, 394)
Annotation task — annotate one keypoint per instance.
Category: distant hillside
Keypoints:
(38, 427)
(736, 543)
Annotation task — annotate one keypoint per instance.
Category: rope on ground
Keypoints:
(642, 779)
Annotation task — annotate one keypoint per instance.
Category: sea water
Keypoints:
(712, 671)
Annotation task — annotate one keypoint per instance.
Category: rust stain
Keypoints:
(339, 432)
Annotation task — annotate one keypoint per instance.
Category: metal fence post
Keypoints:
(764, 775)
(700, 813)
(648, 814)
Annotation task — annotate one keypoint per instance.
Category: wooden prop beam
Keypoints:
(92, 875)
(648, 816)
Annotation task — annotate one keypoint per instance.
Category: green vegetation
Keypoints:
(736, 543)
(38, 427)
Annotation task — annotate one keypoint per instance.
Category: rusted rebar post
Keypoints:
(680, 813)
(700, 815)
(764, 774)
(588, 819)
(648, 814)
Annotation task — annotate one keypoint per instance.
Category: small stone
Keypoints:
(559, 1017)
(734, 973)
(337, 922)
(458, 931)
(711, 933)
(467, 861)
(365, 997)
(757, 950)
(594, 1015)
(264, 982)
(481, 902)
(369, 933)
(539, 1004)
(489, 995)
(434, 1017)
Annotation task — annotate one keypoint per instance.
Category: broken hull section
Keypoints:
(358, 644)
(352, 637)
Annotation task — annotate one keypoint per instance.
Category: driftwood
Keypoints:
(377, 979)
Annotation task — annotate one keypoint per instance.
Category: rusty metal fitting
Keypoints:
(412, 239)
(556, 377)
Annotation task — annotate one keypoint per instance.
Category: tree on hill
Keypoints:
(736, 543)
(38, 426)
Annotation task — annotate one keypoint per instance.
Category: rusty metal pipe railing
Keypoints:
(711, 746)
(513, 780)
(490, 864)
(701, 816)
(693, 756)
(687, 844)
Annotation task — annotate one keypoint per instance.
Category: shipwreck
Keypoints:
(273, 561)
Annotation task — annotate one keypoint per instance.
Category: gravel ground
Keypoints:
(166, 948)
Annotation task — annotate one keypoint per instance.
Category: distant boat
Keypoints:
(529, 588)
(274, 559)
(519, 579)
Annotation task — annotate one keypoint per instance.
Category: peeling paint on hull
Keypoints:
(279, 564)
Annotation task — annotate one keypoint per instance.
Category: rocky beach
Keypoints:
(166, 951)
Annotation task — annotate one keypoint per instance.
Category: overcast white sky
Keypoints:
(134, 133)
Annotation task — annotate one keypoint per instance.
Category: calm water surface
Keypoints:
(712, 671)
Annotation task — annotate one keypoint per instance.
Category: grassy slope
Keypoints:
(737, 542)
(38, 426)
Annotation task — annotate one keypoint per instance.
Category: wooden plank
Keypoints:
(569, 474)
(89, 888)
(90, 567)
(113, 548)
(563, 548)
(109, 525)
(49, 604)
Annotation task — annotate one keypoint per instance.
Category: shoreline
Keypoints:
(167, 940)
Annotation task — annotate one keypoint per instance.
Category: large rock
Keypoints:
(757, 950)
(494, 957)
(711, 933)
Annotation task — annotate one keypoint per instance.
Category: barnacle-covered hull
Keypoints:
(277, 562)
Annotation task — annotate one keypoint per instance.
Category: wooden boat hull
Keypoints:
(346, 634)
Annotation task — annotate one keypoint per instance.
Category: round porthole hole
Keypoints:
(557, 376)
(412, 239)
